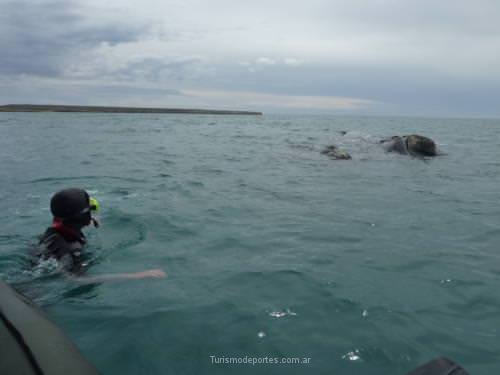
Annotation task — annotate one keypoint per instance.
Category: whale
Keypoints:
(413, 145)
(335, 153)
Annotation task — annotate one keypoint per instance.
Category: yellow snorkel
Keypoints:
(94, 204)
(94, 207)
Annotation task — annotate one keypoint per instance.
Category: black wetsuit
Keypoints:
(66, 248)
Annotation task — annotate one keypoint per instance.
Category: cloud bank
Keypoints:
(364, 56)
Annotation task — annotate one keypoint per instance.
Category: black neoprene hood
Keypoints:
(69, 203)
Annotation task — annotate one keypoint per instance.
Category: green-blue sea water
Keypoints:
(368, 266)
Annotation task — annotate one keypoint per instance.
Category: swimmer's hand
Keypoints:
(154, 274)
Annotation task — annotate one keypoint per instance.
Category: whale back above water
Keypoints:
(421, 145)
(336, 153)
(414, 144)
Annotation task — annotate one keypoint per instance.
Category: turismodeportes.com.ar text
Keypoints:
(247, 360)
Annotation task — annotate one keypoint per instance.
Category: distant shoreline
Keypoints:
(99, 109)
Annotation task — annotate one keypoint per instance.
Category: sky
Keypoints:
(386, 57)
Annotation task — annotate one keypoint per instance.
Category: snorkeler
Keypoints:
(64, 241)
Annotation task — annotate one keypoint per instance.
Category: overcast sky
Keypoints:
(415, 57)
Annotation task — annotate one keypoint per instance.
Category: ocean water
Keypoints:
(272, 250)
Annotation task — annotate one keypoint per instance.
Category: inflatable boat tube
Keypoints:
(439, 366)
(30, 344)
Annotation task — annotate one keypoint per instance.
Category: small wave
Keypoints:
(196, 183)
(414, 265)
(245, 136)
(353, 355)
(79, 178)
(282, 313)
(43, 267)
(209, 170)
(9, 238)
(399, 355)
(303, 146)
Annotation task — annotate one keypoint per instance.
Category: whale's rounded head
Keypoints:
(421, 145)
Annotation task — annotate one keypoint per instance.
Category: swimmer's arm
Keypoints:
(154, 273)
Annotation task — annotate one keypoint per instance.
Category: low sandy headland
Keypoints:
(98, 109)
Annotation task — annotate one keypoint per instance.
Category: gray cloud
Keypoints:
(155, 70)
(40, 37)
(52, 91)
(458, 17)
(394, 89)
(404, 56)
